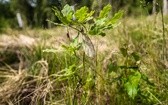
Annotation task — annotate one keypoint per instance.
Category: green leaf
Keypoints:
(116, 17)
(98, 27)
(105, 11)
(100, 22)
(135, 78)
(68, 12)
(131, 90)
(60, 16)
(93, 30)
(132, 84)
(103, 23)
(82, 15)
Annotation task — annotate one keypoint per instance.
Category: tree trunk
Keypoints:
(154, 7)
(165, 7)
(19, 19)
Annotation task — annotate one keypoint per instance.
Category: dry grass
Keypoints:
(21, 88)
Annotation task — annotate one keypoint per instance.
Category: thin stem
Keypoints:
(65, 25)
(163, 35)
(83, 62)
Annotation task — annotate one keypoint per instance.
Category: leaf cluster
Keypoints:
(69, 17)
(82, 16)
(103, 22)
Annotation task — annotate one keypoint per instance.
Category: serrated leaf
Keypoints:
(98, 27)
(105, 11)
(89, 16)
(116, 17)
(100, 22)
(60, 16)
(67, 12)
(103, 23)
(82, 15)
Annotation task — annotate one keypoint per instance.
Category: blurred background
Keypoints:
(34, 13)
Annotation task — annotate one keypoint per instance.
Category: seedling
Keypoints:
(79, 19)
